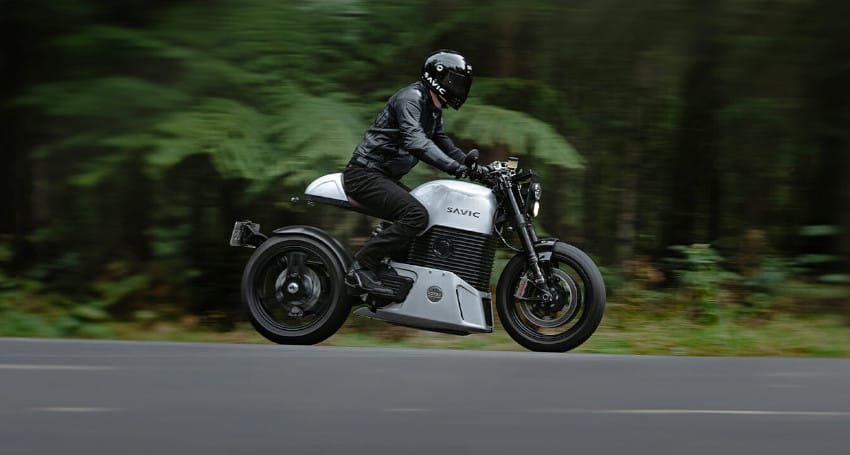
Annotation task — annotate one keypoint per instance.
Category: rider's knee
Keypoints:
(417, 217)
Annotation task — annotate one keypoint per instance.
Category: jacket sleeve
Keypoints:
(416, 142)
(446, 145)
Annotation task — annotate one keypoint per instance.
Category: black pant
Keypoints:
(386, 198)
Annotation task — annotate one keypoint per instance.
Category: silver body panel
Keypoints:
(461, 307)
(450, 203)
(327, 186)
(459, 205)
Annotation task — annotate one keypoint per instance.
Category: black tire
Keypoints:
(323, 302)
(581, 292)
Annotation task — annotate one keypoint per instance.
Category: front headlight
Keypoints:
(536, 191)
(532, 193)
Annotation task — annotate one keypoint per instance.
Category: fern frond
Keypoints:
(521, 133)
(311, 137)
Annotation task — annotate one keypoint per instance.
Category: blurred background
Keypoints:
(697, 149)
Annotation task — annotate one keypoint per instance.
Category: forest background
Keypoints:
(697, 149)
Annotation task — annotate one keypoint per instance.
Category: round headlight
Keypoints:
(536, 191)
(535, 209)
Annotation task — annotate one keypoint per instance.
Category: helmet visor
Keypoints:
(457, 87)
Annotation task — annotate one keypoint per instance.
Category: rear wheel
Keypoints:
(294, 292)
(572, 314)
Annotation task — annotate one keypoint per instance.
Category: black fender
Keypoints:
(340, 252)
(544, 248)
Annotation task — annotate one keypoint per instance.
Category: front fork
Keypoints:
(529, 237)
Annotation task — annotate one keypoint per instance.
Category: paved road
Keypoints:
(82, 397)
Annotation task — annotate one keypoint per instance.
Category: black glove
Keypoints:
(460, 171)
(471, 157)
(479, 171)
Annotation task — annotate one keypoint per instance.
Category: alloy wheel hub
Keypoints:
(298, 291)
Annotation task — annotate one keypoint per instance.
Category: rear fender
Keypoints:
(311, 231)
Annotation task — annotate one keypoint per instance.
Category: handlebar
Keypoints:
(501, 168)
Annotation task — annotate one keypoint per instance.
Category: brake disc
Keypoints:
(568, 295)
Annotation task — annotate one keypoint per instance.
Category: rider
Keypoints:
(408, 129)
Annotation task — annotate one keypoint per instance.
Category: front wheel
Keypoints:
(294, 291)
(572, 314)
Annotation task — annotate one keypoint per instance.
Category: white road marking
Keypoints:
(53, 367)
(407, 410)
(73, 409)
(731, 412)
(784, 386)
(751, 412)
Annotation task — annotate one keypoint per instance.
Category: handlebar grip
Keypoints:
(522, 175)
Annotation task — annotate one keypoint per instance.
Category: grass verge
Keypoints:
(670, 334)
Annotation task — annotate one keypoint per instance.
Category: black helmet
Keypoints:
(449, 76)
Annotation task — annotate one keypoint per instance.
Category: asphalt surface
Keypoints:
(87, 397)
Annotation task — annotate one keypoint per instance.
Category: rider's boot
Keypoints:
(367, 280)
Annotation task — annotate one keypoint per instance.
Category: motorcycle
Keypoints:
(550, 296)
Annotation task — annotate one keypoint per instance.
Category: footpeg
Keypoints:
(399, 284)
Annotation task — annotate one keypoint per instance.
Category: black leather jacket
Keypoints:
(408, 129)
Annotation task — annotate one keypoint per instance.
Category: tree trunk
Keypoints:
(828, 198)
(695, 184)
(506, 49)
(627, 219)
(15, 213)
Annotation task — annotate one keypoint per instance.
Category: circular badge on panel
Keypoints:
(434, 293)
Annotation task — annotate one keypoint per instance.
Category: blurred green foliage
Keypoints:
(701, 273)
(140, 131)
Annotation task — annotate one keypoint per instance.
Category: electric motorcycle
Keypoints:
(550, 296)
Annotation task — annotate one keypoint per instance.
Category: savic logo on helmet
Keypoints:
(436, 85)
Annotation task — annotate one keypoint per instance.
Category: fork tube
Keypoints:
(527, 243)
